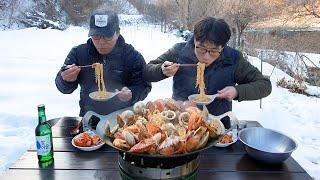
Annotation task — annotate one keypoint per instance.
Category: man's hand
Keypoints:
(71, 73)
(125, 94)
(169, 68)
(228, 93)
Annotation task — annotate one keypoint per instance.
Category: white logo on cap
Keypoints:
(101, 20)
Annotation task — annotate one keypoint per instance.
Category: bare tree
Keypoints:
(239, 13)
(12, 6)
(79, 11)
(300, 9)
(190, 11)
(177, 13)
(141, 5)
(51, 8)
(164, 12)
(2, 4)
(312, 7)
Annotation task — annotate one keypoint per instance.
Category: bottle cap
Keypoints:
(41, 106)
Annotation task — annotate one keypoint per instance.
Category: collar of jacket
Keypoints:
(94, 52)
(225, 57)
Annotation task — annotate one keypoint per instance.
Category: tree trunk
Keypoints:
(232, 41)
(12, 8)
(189, 25)
(165, 24)
(238, 35)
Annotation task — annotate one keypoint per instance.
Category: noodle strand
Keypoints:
(101, 93)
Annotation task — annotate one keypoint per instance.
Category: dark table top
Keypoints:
(71, 163)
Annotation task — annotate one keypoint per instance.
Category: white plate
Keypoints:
(92, 95)
(90, 148)
(234, 139)
(193, 97)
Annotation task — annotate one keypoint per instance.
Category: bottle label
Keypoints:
(43, 144)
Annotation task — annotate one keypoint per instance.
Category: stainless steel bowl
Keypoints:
(267, 145)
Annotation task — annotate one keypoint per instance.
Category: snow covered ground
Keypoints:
(310, 59)
(30, 59)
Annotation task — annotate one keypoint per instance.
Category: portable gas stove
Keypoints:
(139, 167)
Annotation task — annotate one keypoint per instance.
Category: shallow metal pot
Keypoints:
(267, 145)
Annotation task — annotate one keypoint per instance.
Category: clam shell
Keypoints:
(121, 121)
(157, 138)
(129, 138)
(107, 129)
(138, 107)
(170, 141)
(216, 128)
(114, 129)
(203, 140)
(127, 113)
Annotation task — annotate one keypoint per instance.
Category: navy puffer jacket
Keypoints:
(122, 67)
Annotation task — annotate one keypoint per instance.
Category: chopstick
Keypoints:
(85, 66)
(184, 65)
(187, 65)
(64, 67)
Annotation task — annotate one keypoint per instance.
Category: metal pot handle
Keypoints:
(233, 119)
(231, 115)
(105, 120)
(86, 118)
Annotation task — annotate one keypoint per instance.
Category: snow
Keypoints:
(130, 19)
(11, 15)
(30, 59)
(311, 59)
(125, 7)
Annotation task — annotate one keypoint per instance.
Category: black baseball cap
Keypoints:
(104, 24)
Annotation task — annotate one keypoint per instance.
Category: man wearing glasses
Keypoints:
(122, 66)
(227, 73)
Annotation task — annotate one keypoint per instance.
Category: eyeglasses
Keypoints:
(105, 38)
(212, 52)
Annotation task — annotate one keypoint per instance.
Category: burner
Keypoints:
(133, 167)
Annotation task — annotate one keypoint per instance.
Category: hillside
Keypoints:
(294, 21)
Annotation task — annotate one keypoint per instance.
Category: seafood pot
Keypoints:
(144, 165)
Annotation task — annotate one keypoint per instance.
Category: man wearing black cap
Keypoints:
(227, 73)
(123, 67)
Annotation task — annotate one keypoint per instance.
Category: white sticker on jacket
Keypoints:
(101, 20)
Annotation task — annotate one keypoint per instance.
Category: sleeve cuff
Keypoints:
(241, 93)
(64, 86)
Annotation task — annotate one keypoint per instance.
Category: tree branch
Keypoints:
(177, 3)
(311, 11)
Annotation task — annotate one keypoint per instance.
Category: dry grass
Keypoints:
(292, 86)
(295, 21)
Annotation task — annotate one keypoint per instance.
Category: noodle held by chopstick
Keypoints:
(200, 82)
(102, 93)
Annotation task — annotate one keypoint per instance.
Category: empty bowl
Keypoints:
(267, 145)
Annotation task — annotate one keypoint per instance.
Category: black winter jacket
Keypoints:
(123, 66)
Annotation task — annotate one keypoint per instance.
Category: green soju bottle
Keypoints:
(43, 137)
